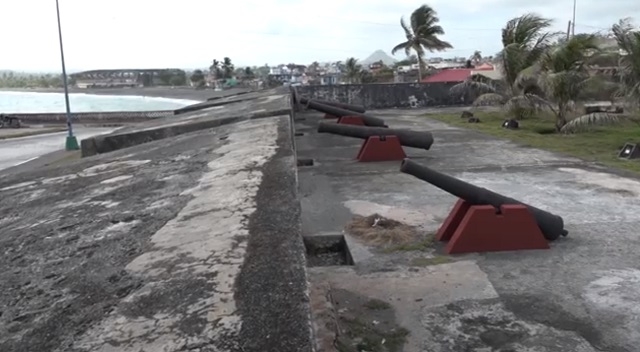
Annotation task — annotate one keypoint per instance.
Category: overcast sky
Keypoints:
(190, 33)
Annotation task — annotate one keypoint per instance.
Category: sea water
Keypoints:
(31, 102)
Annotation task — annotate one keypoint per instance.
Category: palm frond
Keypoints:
(489, 99)
(433, 43)
(525, 30)
(405, 27)
(527, 77)
(628, 39)
(402, 46)
(475, 85)
(524, 40)
(585, 122)
(423, 16)
(621, 32)
(526, 105)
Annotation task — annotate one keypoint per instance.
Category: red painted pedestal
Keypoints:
(381, 148)
(479, 228)
(351, 120)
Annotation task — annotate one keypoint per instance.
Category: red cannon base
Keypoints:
(351, 120)
(381, 148)
(480, 228)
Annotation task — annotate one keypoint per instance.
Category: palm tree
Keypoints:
(561, 74)
(628, 40)
(353, 70)
(476, 57)
(524, 40)
(422, 34)
(628, 86)
(215, 69)
(313, 68)
(227, 67)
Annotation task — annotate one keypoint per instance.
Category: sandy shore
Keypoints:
(160, 92)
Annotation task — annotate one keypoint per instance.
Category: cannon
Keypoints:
(408, 138)
(551, 225)
(339, 112)
(356, 108)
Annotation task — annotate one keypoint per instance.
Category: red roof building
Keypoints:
(484, 67)
(455, 75)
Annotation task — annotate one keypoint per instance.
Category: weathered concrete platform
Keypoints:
(193, 118)
(581, 295)
(189, 243)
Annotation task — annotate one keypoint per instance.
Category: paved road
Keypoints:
(16, 151)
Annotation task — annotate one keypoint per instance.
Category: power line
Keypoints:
(592, 27)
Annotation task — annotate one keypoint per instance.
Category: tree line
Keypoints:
(9, 79)
(221, 70)
(543, 70)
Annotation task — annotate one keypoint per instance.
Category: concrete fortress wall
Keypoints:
(386, 96)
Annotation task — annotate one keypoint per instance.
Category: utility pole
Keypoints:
(573, 21)
(569, 30)
(71, 142)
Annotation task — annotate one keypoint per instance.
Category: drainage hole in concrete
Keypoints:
(299, 134)
(327, 250)
(305, 162)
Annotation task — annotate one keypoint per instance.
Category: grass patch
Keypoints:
(376, 304)
(370, 338)
(423, 245)
(600, 144)
(379, 231)
(439, 259)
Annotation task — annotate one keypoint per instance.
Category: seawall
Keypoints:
(386, 96)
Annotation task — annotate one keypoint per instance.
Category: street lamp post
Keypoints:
(71, 142)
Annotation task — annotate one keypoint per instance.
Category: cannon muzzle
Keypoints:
(356, 108)
(551, 225)
(339, 112)
(408, 138)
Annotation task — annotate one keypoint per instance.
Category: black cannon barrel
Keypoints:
(551, 226)
(351, 107)
(415, 139)
(339, 112)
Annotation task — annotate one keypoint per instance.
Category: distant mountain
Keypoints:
(377, 56)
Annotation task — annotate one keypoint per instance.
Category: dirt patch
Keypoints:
(365, 324)
(379, 231)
